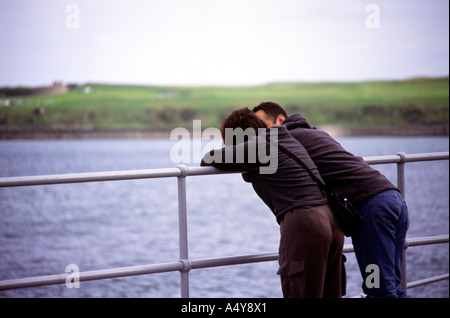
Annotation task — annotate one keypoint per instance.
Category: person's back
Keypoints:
(283, 188)
(345, 173)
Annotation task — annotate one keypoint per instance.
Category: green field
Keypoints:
(153, 108)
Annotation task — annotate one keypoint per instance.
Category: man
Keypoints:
(380, 240)
(310, 251)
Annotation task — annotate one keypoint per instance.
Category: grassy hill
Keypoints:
(152, 108)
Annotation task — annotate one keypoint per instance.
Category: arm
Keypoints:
(208, 160)
(241, 156)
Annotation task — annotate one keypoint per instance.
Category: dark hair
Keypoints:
(241, 118)
(271, 109)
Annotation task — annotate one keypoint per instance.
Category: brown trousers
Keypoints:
(310, 253)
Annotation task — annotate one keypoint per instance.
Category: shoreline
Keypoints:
(91, 132)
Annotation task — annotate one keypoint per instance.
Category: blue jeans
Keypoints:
(380, 241)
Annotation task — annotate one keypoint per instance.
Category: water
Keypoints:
(124, 223)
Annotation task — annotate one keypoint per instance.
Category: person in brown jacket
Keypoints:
(311, 242)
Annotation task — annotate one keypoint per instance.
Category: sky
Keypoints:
(221, 42)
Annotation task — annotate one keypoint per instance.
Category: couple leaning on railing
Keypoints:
(311, 263)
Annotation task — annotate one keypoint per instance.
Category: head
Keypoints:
(271, 113)
(242, 118)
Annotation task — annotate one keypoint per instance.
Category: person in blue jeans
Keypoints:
(380, 240)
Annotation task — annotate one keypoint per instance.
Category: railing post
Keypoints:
(404, 283)
(401, 186)
(401, 173)
(182, 226)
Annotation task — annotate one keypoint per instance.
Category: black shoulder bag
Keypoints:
(345, 213)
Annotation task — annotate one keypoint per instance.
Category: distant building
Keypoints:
(56, 88)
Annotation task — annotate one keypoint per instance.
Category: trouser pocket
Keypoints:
(293, 281)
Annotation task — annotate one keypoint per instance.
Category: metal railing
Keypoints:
(184, 265)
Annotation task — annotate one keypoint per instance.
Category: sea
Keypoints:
(102, 225)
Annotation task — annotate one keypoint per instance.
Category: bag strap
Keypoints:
(299, 161)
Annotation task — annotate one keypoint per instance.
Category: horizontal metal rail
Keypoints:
(193, 264)
(402, 158)
(426, 240)
(109, 176)
(91, 275)
(176, 172)
(184, 265)
(426, 281)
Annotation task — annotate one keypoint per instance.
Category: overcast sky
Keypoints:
(221, 42)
